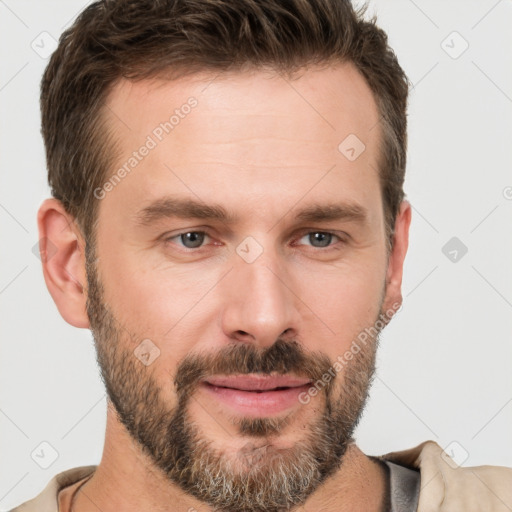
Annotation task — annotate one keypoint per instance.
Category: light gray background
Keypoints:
(445, 364)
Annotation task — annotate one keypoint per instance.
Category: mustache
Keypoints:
(283, 357)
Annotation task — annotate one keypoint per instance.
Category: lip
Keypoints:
(257, 382)
(258, 396)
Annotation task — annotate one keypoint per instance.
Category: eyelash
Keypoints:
(302, 235)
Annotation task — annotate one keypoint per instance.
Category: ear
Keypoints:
(393, 298)
(62, 250)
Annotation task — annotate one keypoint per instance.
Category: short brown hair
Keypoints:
(137, 39)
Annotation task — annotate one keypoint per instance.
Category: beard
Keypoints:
(261, 477)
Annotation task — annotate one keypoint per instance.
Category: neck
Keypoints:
(126, 480)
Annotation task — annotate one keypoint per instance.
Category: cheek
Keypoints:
(156, 301)
(345, 300)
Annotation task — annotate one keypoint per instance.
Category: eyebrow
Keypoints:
(337, 211)
(169, 207)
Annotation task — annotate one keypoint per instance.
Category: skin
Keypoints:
(264, 148)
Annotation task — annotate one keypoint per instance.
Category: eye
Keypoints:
(189, 239)
(320, 239)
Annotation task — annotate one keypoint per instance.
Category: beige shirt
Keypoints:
(444, 487)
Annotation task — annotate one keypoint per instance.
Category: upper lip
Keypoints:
(257, 382)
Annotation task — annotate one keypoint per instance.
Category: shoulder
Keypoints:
(449, 487)
(46, 500)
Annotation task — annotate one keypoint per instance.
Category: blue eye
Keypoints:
(196, 239)
(190, 239)
(320, 238)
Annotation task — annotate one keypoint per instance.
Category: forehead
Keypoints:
(250, 135)
(334, 99)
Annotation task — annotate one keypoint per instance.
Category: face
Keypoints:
(242, 242)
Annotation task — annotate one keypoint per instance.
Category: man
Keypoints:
(230, 223)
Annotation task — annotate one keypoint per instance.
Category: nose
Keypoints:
(260, 305)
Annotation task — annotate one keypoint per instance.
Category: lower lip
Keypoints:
(257, 404)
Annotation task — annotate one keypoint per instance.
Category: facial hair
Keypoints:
(262, 478)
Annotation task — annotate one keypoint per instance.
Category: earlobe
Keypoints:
(62, 254)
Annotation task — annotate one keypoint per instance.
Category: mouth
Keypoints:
(256, 396)
(255, 390)
(257, 383)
